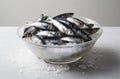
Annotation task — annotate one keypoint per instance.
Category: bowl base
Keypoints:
(63, 62)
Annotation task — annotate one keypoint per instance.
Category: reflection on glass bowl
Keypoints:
(62, 54)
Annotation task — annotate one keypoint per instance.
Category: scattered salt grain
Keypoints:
(28, 62)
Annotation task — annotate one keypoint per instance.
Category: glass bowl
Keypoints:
(62, 54)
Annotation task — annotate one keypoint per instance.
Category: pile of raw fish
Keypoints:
(59, 30)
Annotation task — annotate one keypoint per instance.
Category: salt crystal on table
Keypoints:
(26, 61)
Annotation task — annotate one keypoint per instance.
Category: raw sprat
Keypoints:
(59, 30)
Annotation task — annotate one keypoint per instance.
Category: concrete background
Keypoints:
(18, 12)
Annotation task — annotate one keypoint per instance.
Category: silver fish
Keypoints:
(90, 31)
(84, 35)
(61, 27)
(89, 25)
(51, 27)
(37, 39)
(76, 30)
(29, 31)
(64, 21)
(63, 16)
(68, 25)
(42, 25)
(53, 41)
(75, 21)
(49, 34)
(38, 24)
(83, 22)
(71, 39)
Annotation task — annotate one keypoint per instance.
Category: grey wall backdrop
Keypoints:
(17, 12)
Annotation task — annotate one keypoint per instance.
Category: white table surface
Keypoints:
(109, 44)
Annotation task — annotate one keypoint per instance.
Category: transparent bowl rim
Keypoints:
(99, 32)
